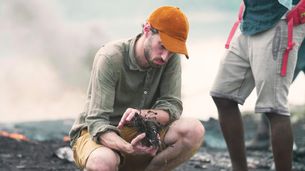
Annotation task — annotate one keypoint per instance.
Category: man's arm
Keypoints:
(101, 92)
(161, 116)
(169, 100)
(114, 141)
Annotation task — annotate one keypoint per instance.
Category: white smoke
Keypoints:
(44, 61)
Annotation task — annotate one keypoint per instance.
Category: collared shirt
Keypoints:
(117, 82)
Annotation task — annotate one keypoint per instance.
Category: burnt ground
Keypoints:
(39, 154)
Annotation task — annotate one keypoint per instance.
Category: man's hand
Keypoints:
(159, 115)
(114, 141)
(127, 116)
(138, 148)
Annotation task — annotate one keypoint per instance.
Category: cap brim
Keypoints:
(173, 44)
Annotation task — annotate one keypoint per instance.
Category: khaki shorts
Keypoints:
(84, 146)
(255, 61)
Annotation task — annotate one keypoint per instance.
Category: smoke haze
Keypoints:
(45, 61)
(47, 48)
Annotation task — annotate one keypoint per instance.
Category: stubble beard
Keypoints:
(148, 56)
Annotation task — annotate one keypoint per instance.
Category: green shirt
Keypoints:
(300, 66)
(118, 83)
(262, 15)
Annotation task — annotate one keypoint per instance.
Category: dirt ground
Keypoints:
(40, 155)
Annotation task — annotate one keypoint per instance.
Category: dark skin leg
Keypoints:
(232, 128)
(282, 141)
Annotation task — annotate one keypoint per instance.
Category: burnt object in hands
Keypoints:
(150, 127)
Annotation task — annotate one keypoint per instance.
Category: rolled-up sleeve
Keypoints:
(102, 97)
(170, 89)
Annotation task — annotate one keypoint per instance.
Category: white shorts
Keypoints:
(256, 61)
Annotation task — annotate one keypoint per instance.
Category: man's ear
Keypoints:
(146, 28)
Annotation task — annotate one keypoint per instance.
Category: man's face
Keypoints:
(154, 51)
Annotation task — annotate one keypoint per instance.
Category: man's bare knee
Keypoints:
(196, 132)
(191, 131)
(103, 159)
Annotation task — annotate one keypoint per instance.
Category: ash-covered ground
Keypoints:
(45, 150)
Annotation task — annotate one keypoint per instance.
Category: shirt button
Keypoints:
(145, 92)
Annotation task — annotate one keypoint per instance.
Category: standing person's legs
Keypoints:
(282, 141)
(262, 136)
(272, 88)
(232, 128)
(256, 58)
(232, 86)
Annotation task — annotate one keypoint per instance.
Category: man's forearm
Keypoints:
(160, 115)
(114, 141)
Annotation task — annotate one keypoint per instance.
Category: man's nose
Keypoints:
(166, 55)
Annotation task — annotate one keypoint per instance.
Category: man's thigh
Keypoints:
(85, 146)
(82, 148)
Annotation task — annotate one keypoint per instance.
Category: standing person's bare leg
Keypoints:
(232, 128)
(282, 141)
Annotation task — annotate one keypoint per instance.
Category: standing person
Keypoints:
(138, 75)
(261, 141)
(254, 59)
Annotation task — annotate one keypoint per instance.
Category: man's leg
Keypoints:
(232, 128)
(91, 156)
(103, 159)
(282, 141)
(183, 139)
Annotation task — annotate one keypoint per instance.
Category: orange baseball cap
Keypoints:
(173, 28)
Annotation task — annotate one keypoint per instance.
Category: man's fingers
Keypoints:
(130, 116)
(136, 143)
(123, 119)
(137, 139)
(127, 116)
(152, 151)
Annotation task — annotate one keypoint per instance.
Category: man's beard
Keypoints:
(148, 57)
(150, 62)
